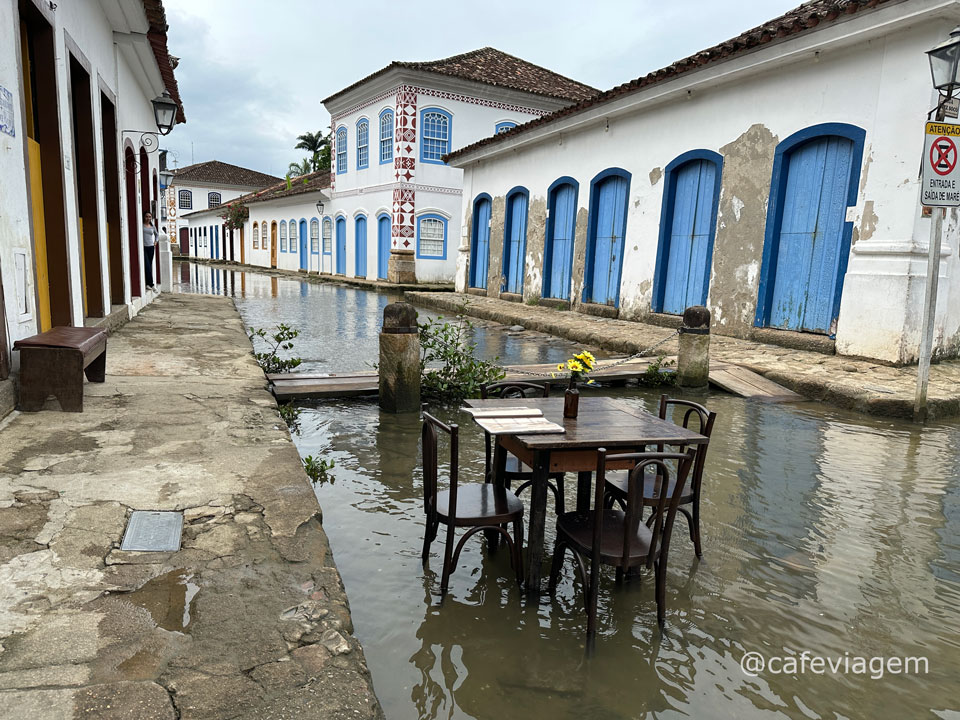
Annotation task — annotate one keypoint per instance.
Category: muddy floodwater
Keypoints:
(831, 555)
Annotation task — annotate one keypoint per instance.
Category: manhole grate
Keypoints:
(153, 531)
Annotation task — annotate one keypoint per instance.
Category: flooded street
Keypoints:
(824, 532)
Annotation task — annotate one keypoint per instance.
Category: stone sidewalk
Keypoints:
(248, 619)
(850, 383)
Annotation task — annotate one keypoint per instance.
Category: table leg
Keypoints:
(537, 521)
(584, 483)
(497, 472)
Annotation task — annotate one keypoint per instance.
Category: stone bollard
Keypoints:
(166, 266)
(693, 359)
(400, 359)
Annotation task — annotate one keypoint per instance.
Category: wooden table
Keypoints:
(602, 423)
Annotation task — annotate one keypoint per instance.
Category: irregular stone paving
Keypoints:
(248, 619)
(860, 385)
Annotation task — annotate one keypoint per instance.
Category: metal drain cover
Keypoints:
(153, 531)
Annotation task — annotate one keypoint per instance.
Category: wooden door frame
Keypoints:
(273, 243)
(547, 272)
(591, 249)
(507, 231)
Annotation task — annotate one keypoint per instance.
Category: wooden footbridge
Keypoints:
(732, 378)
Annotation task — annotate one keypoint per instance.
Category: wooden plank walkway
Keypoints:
(732, 378)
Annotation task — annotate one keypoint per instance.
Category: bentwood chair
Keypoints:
(516, 471)
(617, 481)
(620, 538)
(477, 506)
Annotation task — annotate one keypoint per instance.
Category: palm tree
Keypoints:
(304, 167)
(317, 144)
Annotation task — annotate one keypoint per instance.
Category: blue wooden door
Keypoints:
(341, 246)
(811, 234)
(480, 247)
(360, 248)
(515, 241)
(558, 252)
(691, 228)
(383, 247)
(216, 240)
(611, 208)
(304, 249)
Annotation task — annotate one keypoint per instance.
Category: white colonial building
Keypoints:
(78, 162)
(203, 186)
(285, 228)
(773, 177)
(392, 196)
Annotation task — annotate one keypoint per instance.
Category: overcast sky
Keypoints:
(252, 74)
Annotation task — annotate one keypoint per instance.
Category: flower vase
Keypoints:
(571, 400)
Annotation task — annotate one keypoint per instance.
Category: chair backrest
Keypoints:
(666, 508)
(514, 389)
(705, 419)
(432, 428)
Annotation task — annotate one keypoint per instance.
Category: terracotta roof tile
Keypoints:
(314, 181)
(812, 14)
(157, 35)
(493, 67)
(221, 173)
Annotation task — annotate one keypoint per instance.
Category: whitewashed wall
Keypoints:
(880, 84)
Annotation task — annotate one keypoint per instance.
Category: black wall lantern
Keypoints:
(320, 207)
(165, 112)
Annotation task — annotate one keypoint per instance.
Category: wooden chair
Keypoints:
(611, 536)
(478, 506)
(617, 481)
(516, 471)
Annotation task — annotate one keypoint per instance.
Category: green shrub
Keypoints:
(656, 375)
(318, 469)
(282, 339)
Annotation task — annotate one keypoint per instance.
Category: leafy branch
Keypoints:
(282, 339)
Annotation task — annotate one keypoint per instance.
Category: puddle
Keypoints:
(169, 598)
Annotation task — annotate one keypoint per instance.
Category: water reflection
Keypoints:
(823, 532)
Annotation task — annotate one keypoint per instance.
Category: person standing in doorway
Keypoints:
(149, 247)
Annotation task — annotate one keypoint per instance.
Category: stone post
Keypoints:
(693, 359)
(402, 267)
(166, 266)
(399, 359)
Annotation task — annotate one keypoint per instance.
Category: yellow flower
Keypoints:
(575, 365)
(587, 362)
(590, 382)
(561, 367)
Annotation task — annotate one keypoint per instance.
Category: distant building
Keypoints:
(203, 186)
(773, 177)
(395, 204)
(78, 162)
(284, 229)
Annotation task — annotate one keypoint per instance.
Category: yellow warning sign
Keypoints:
(939, 128)
(940, 177)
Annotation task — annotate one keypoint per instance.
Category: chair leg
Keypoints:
(555, 564)
(696, 526)
(429, 535)
(447, 562)
(558, 496)
(661, 592)
(619, 576)
(517, 550)
(593, 590)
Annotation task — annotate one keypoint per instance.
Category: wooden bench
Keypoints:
(54, 362)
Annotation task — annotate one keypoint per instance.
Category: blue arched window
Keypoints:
(515, 240)
(314, 237)
(606, 233)
(327, 236)
(688, 223)
(386, 136)
(558, 244)
(363, 144)
(435, 134)
(502, 127)
(341, 151)
(432, 237)
(816, 173)
(294, 237)
(283, 236)
(185, 199)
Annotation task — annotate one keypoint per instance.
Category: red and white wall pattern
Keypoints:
(405, 167)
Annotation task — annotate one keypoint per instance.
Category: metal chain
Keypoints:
(614, 364)
(622, 361)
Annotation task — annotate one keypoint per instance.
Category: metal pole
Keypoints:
(929, 312)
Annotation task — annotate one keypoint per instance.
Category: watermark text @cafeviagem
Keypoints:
(754, 664)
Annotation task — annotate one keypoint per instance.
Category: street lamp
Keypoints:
(165, 112)
(945, 64)
(166, 177)
(320, 207)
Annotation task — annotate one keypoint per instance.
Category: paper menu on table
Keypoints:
(504, 412)
(519, 425)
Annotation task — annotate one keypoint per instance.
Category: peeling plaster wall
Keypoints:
(495, 265)
(866, 83)
(536, 234)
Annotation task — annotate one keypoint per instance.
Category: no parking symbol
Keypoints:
(940, 180)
